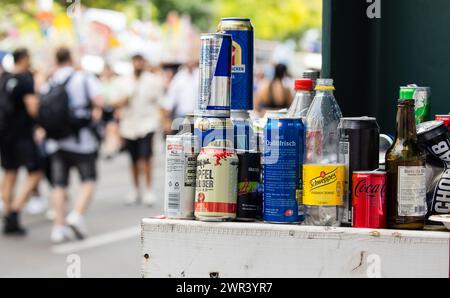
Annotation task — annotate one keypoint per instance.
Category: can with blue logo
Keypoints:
(284, 146)
(241, 30)
(215, 75)
(209, 129)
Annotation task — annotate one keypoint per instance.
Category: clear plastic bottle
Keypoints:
(322, 140)
(303, 98)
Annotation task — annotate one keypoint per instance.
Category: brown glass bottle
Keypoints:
(405, 166)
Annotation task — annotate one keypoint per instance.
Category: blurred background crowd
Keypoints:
(133, 65)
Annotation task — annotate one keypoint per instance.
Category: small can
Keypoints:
(181, 169)
(215, 75)
(217, 179)
(359, 143)
(241, 30)
(445, 119)
(369, 200)
(249, 203)
(422, 98)
(284, 143)
(209, 129)
(434, 138)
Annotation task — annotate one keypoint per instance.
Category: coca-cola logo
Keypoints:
(369, 189)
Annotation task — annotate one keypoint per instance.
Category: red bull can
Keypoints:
(215, 75)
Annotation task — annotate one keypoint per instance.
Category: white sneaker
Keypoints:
(76, 222)
(36, 205)
(149, 198)
(60, 234)
(133, 198)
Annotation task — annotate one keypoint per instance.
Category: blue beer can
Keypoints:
(241, 30)
(215, 75)
(283, 155)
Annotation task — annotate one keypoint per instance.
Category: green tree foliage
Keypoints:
(275, 19)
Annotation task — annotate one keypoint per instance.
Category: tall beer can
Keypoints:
(249, 203)
(241, 30)
(181, 167)
(215, 75)
(217, 179)
(359, 140)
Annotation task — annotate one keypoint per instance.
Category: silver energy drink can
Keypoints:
(215, 75)
(181, 164)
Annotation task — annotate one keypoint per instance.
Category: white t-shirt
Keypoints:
(80, 84)
(182, 96)
(142, 115)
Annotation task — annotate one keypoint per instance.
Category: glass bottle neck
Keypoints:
(406, 122)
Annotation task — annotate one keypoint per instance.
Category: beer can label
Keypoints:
(242, 69)
(217, 177)
(412, 192)
(323, 185)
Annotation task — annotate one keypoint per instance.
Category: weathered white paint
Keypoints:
(196, 249)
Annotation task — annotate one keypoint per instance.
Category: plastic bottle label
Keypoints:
(323, 185)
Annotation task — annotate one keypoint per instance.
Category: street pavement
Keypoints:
(113, 247)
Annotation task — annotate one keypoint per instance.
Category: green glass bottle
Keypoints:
(405, 166)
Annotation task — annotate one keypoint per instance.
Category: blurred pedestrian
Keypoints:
(274, 94)
(138, 123)
(79, 150)
(17, 146)
(181, 96)
(110, 92)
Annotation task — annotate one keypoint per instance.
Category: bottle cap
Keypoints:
(304, 85)
(325, 85)
(407, 93)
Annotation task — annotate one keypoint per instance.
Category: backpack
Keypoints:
(57, 117)
(7, 106)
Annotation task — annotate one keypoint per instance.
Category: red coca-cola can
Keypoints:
(445, 119)
(369, 200)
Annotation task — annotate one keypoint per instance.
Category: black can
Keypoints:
(359, 143)
(249, 203)
(434, 139)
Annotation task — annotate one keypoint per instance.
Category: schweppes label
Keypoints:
(323, 185)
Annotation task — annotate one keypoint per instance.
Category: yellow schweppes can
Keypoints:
(323, 185)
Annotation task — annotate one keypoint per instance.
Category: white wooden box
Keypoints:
(243, 250)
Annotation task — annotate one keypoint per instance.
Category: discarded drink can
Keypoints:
(434, 138)
(422, 98)
(217, 178)
(215, 75)
(284, 143)
(244, 136)
(369, 200)
(241, 30)
(359, 142)
(445, 119)
(209, 129)
(181, 167)
(249, 203)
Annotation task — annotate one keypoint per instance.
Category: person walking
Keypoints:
(139, 121)
(78, 150)
(17, 145)
(181, 96)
